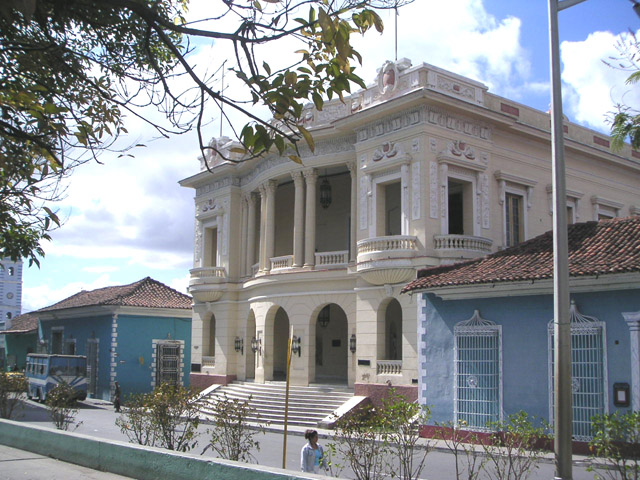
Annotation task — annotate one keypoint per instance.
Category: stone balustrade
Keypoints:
(208, 272)
(208, 361)
(392, 243)
(389, 367)
(462, 242)
(279, 263)
(332, 259)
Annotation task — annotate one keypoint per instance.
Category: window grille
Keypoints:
(168, 359)
(478, 372)
(92, 366)
(588, 372)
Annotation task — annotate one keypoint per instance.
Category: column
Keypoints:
(243, 238)
(311, 177)
(298, 220)
(633, 321)
(251, 231)
(270, 223)
(353, 170)
(263, 210)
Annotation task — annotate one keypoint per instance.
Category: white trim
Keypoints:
(603, 206)
(94, 310)
(633, 322)
(614, 282)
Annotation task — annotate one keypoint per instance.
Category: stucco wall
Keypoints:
(524, 322)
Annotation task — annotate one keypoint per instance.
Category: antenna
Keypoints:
(221, 102)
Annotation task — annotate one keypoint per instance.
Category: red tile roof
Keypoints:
(25, 323)
(148, 293)
(595, 248)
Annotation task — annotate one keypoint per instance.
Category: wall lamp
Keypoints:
(256, 345)
(295, 345)
(239, 345)
(324, 317)
(352, 343)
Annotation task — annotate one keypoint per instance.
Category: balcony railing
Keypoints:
(394, 243)
(254, 269)
(208, 361)
(280, 263)
(389, 367)
(208, 272)
(332, 259)
(462, 242)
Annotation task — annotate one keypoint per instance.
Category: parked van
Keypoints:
(45, 371)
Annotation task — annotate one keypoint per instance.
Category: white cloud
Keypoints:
(591, 88)
(42, 296)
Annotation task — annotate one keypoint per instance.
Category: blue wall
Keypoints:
(135, 349)
(524, 321)
(134, 364)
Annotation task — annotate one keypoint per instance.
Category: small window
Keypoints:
(9, 315)
(11, 271)
(514, 219)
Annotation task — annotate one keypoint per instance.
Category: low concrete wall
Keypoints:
(132, 460)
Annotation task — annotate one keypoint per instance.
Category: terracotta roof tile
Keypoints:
(595, 248)
(25, 323)
(147, 293)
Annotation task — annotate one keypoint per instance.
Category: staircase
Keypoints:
(307, 405)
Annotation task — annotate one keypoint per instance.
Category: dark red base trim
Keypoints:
(200, 381)
(377, 391)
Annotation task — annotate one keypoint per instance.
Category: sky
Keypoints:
(127, 218)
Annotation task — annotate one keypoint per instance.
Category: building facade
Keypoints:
(10, 299)
(423, 168)
(486, 330)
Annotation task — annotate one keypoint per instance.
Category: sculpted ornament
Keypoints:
(387, 150)
(460, 148)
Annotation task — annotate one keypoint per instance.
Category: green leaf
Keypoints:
(308, 138)
(295, 158)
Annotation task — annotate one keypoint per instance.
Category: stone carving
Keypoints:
(455, 88)
(486, 214)
(389, 124)
(444, 171)
(415, 190)
(459, 148)
(386, 150)
(197, 249)
(433, 189)
(224, 231)
(363, 202)
(389, 75)
(415, 145)
(208, 206)
(433, 145)
(451, 122)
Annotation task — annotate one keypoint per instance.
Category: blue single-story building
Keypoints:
(138, 335)
(485, 329)
(20, 339)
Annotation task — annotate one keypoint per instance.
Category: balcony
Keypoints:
(338, 259)
(207, 283)
(465, 246)
(387, 260)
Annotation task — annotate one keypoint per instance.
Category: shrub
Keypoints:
(231, 436)
(462, 444)
(12, 387)
(61, 401)
(168, 417)
(616, 446)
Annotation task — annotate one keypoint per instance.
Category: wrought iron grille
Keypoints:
(168, 359)
(478, 371)
(588, 372)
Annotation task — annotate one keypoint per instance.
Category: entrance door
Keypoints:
(331, 345)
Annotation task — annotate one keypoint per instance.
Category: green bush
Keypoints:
(12, 386)
(616, 446)
(231, 436)
(168, 417)
(61, 401)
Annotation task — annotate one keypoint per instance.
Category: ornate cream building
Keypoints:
(423, 168)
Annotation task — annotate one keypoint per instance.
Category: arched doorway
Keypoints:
(249, 354)
(280, 344)
(331, 345)
(393, 331)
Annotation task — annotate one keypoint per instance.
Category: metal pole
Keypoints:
(286, 402)
(562, 326)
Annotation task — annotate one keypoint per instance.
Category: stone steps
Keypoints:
(308, 406)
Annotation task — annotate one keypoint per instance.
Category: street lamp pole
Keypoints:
(562, 327)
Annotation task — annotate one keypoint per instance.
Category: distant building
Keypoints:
(423, 168)
(137, 334)
(485, 329)
(10, 298)
(21, 338)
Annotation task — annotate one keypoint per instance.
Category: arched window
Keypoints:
(478, 372)
(588, 371)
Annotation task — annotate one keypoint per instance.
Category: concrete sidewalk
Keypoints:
(18, 464)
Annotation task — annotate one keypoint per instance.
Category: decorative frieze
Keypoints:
(486, 208)
(217, 185)
(456, 123)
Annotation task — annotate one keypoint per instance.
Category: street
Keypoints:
(97, 418)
